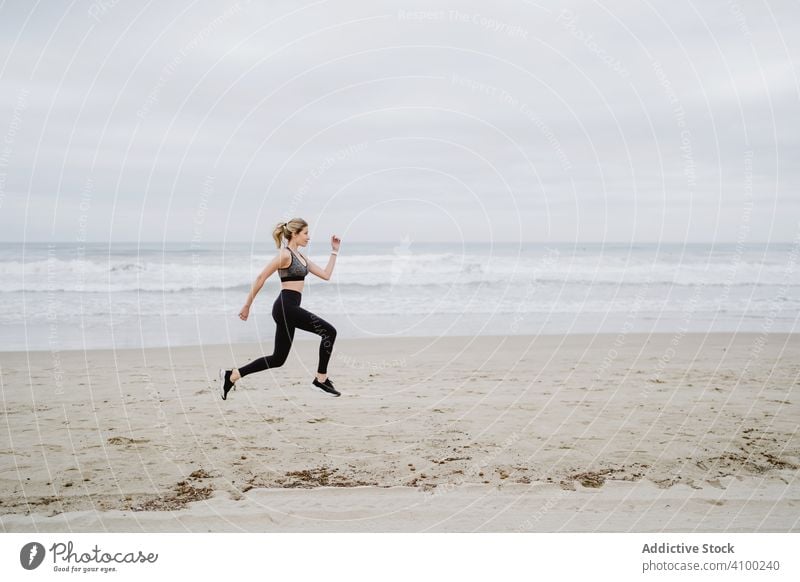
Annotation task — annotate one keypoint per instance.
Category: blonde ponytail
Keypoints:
(286, 230)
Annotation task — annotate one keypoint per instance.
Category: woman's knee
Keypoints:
(278, 359)
(329, 337)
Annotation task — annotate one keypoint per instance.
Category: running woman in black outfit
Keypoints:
(292, 268)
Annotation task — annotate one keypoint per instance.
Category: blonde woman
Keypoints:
(292, 268)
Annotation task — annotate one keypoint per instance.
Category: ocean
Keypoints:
(64, 296)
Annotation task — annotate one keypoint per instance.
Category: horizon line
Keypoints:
(593, 242)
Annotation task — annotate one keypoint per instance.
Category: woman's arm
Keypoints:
(328, 270)
(320, 272)
(271, 267)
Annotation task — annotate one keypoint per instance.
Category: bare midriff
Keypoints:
(293, 285)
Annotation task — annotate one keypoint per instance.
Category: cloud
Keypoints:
(615, 121)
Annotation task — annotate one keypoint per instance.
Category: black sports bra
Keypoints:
(296, 271)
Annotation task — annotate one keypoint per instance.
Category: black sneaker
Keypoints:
(225, 382)
(327, 386)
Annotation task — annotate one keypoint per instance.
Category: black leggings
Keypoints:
(288, 315)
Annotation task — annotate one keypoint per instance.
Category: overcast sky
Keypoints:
(505, 121)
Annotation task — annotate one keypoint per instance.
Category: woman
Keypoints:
(292, 268)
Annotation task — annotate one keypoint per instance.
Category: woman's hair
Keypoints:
(286, 230)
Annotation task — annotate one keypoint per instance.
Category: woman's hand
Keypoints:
(335, 242)
(244, 313)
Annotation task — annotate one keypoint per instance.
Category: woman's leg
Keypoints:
(307, 321)
(284, 334)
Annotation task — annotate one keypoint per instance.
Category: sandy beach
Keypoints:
(665, 432)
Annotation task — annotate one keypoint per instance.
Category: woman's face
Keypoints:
(303, 238)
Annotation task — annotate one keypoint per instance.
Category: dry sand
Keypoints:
(521, 433)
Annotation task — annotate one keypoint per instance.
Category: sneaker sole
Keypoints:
(318, 389)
